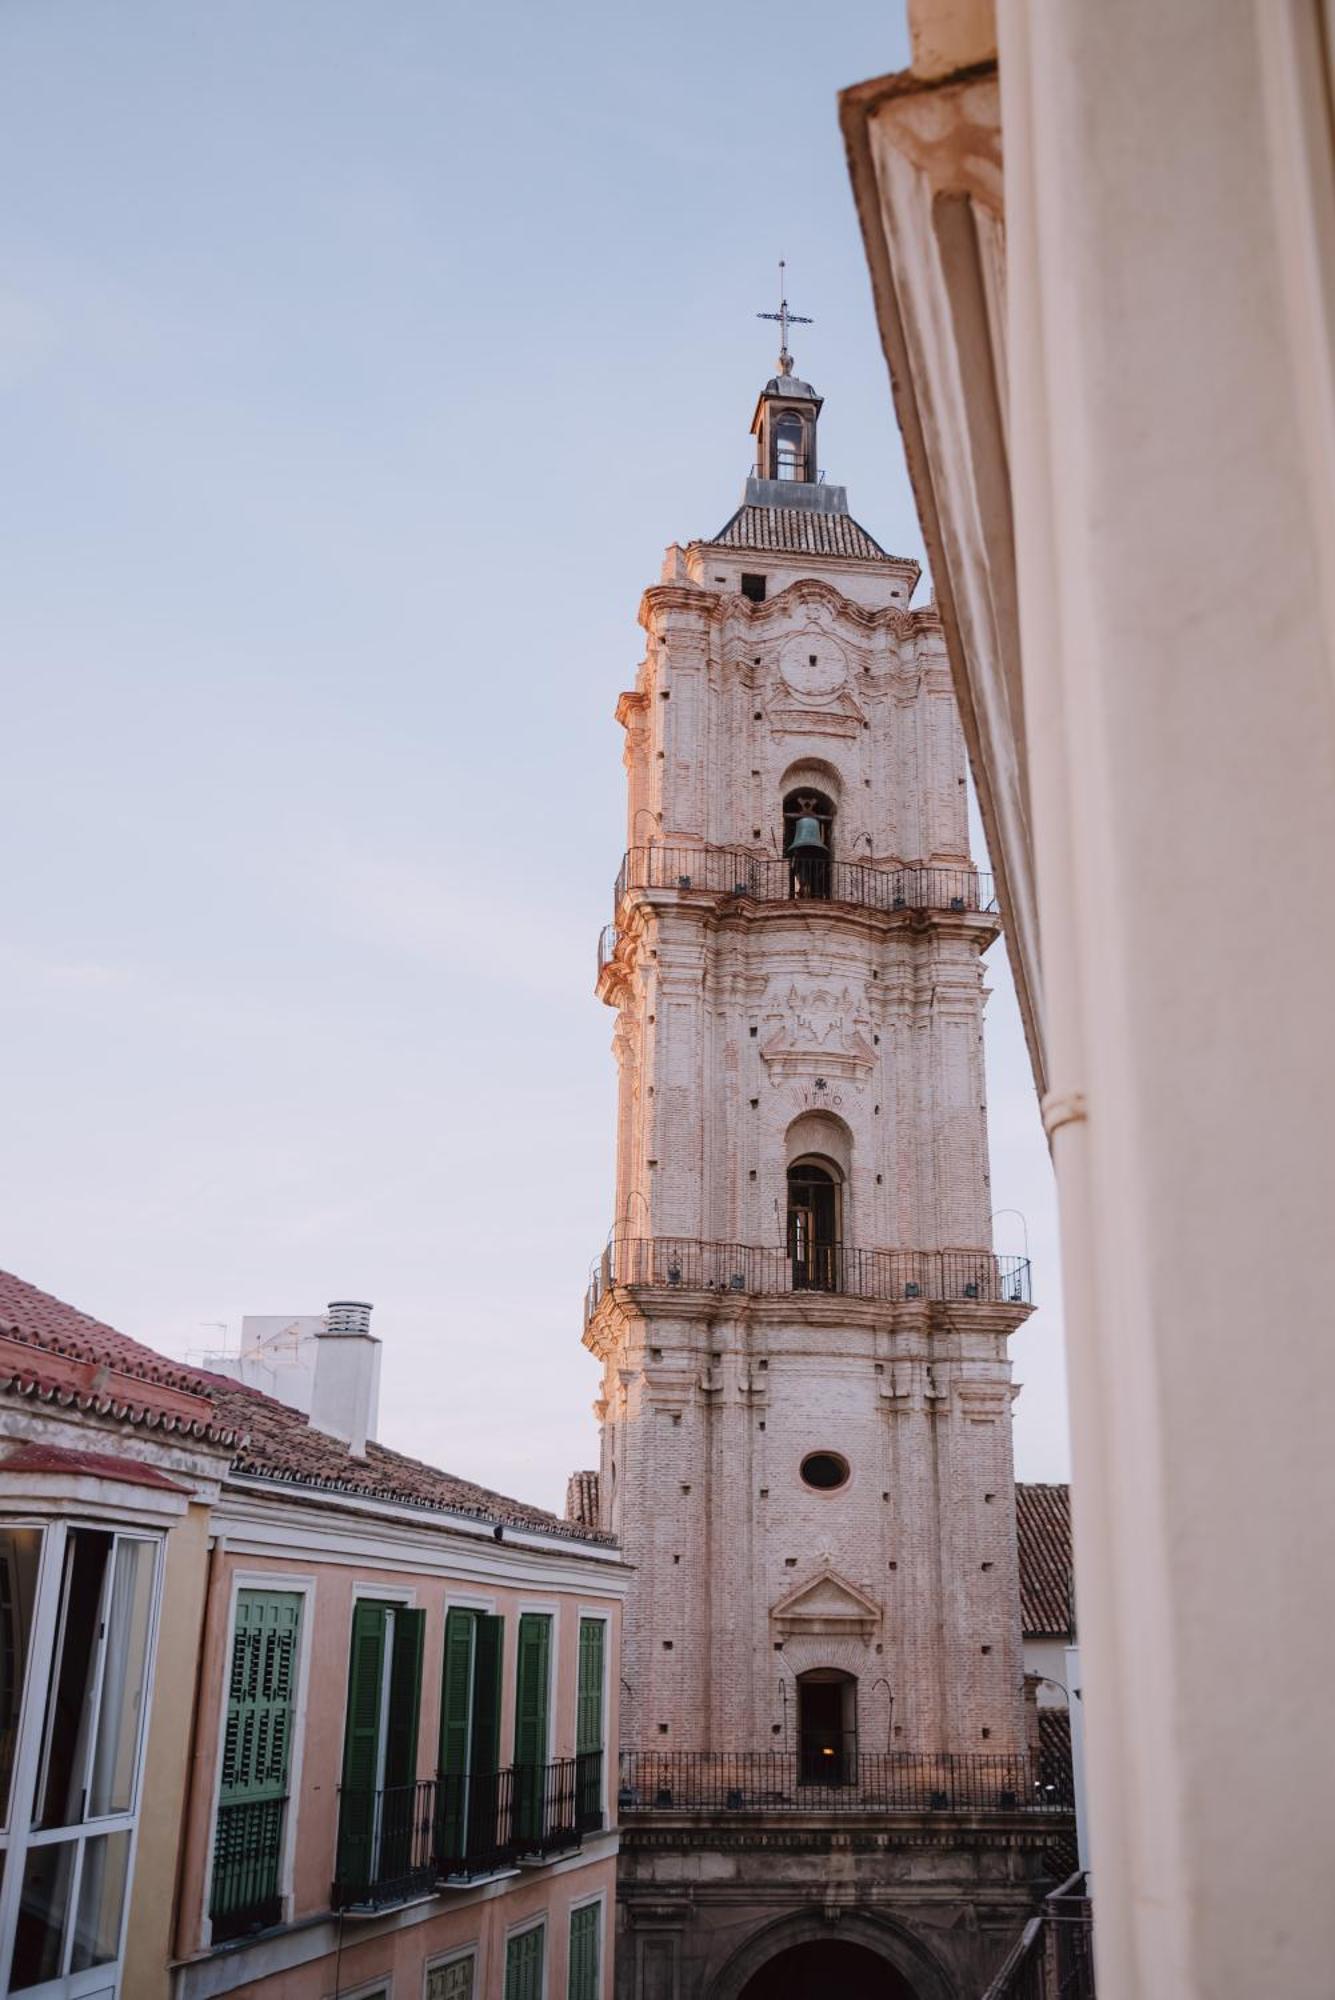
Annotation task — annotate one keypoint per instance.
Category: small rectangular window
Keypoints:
(523, 1964)
(585, 1925)
(453, 1980)
(753, 587)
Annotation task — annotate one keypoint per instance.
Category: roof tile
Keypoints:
(801, 531)
(1043, 1524)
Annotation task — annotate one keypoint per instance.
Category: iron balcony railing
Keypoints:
(1053, 1958)
(609, 937)
(402, 1842)
(474, 1824)
(731, 871)
(386, 1845)
(247, 1846)
(781, 1781)
(962, 1277)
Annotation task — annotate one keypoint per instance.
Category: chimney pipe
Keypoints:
(346, 1394)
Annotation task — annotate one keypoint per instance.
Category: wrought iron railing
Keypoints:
(386, 1845)
(962, 1277)
(247, 1847)
(474, 1824)
(609, 937)
(1053, 1958)
(732, 871)
(403, 1841)
(779, 1781)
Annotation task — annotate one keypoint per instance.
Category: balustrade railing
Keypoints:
(779, 1781)
(962, 1277)
(729, 871)
(403, 1841)
(386, 1845)
(247, 1846)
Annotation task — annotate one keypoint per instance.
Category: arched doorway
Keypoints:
(815, 1225)
(827, 1969)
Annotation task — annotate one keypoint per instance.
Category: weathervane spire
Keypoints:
(785, 319)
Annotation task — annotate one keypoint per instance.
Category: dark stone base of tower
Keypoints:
(766, 1912)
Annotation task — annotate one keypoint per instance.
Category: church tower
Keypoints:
(806, 1435)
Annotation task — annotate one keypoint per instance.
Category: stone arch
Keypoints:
(813, 774)
(823, 1135)
(896, 1947)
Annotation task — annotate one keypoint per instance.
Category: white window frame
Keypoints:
(603, 1615)
(19, 1839)
(455, 1956)
(538, 1923)
(599, 1898)
(298, 1586)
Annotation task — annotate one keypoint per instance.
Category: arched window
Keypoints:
(816, 1225)
(789, 456)
(827, 1728)
(808, 841)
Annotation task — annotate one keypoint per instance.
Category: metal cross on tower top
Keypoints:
(785, 319)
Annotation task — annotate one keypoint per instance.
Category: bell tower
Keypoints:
(805, 1408)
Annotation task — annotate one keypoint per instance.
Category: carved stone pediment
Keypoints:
(827, 1606)
(817, 1034)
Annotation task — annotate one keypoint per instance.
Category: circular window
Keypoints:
(824, 1470)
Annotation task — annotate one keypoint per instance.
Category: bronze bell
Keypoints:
(807, 836)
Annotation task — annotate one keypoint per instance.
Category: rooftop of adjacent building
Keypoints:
(56, 1355)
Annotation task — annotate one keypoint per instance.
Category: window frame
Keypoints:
(454, 1956)
(519, 1929)
(304, 1587)
(597, 1614)
(598, 1901)
(19, 1837)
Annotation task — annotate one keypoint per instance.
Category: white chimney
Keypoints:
(345, 1400)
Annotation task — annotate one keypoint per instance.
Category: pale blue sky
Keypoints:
(358, 358)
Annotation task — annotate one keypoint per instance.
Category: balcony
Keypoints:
(677, 1263)
(244, 1897)
(673, 1783)
(404, 1842)
(733, 872)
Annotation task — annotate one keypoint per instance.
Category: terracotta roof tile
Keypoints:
(1043, 1524)
(280, 1444)
(31, 1458)
(52, 1351)
(800, 531)
(582, 1499)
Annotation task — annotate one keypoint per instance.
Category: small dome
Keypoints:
(789, 385)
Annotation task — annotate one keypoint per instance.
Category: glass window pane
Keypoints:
(123, 1678)
(20, 1552)
(97, 1927)
(69, 1705)
(43, 1908)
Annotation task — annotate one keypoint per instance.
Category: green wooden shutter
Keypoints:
(456, 1702)
(361, 1747)
(523, 1965)
(486, 1732)
(589, 1707)
(257, 1751)
(261, 1693)
(535, 1629)
(585, 1939)
(405, 1697)
(456, 1694)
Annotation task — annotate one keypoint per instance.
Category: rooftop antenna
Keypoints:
(785, 319)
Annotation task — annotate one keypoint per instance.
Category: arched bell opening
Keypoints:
(816, 1225)
(789, 447)
(808, 841)
(827, 1727)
